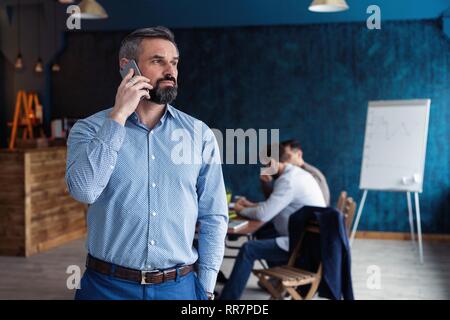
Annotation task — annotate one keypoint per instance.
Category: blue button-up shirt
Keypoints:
(147, 189)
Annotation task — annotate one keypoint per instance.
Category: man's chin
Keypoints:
(162, 102)
(164, 97)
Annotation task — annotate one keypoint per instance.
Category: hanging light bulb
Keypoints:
(19, 62)
(328, 6)
(56, 67)
(91, 9)
(39, 67)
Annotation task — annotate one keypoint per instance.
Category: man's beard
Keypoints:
(165, 95)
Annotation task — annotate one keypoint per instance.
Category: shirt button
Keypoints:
(153, 157)
(152, 242)
(112, 167)
(153, 213)
(151, 132)
(153, 184)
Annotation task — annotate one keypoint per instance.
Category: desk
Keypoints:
(247, 231)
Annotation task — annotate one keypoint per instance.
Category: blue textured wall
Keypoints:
(312, 82)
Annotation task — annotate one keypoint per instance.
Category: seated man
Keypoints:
(293, 188)
(293, 154)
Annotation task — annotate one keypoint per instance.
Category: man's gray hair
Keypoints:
(130, 46)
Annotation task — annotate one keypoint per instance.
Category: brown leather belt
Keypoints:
(142, 277)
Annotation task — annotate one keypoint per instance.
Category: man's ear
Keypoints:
(123, 62)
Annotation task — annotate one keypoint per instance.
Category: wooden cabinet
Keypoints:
(36, 210)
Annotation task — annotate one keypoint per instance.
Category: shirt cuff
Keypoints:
(112, 133)
(207, 279)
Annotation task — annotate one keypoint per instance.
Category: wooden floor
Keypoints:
(43, 276)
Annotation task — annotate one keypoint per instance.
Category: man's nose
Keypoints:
(169, 70)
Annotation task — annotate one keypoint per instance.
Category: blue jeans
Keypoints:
(267, 231)
(251, 250)
(97, 286)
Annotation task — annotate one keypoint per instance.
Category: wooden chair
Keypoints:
(349, 213)
(288, 277)
(348, 207)
(341, 200)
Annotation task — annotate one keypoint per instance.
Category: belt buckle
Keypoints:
(144, 275)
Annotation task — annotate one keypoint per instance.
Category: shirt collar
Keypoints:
(287, 168)
(169, 110)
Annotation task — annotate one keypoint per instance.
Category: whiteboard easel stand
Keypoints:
(410, 214)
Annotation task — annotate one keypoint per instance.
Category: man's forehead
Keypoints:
(158, 47)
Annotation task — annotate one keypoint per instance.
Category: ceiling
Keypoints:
(222, 13)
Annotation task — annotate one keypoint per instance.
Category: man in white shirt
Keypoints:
(292, 154)
(293, 188)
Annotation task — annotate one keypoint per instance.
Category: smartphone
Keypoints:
(126, 68)
(130, 65)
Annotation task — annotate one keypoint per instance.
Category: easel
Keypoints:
(393, 157)
(410, 214)
(25, 118)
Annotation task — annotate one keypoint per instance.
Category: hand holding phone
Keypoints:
(131, 90)
(130, 65)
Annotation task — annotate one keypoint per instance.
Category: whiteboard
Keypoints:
(395, 145)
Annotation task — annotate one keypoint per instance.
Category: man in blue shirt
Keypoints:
(150, 174)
